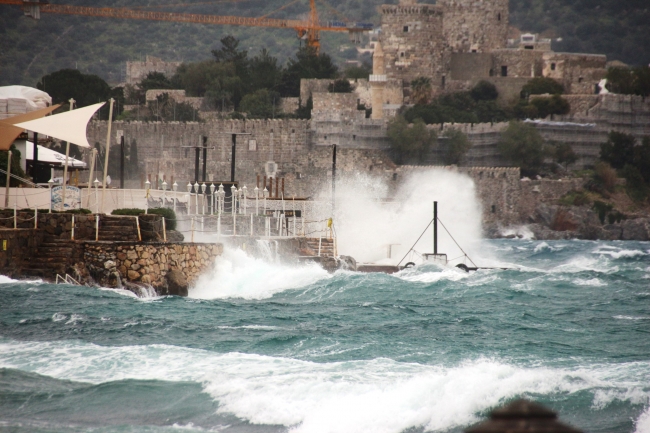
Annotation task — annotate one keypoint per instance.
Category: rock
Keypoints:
(635, 230)
(133, 275)
(348, 263)
(109, 264)
(176, 283)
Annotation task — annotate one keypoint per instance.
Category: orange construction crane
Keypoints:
(309, 30)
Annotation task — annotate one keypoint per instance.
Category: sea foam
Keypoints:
(377, 395)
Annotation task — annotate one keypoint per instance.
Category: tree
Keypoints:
(564, 155)
(484, 91)
(618, 150)
(421, 90)
(457, 146)
(307, 64)
(304, 111)
(642, 159)
(541, 86)
(547, 106)
(265, 72)
(155, 80)
(358, 72)
(340, 86)
(85, 89)
(635, 185)
(523, 146)
(15, 166)
(410, 143)
(628, 81)
(260, 104)
(165, 108)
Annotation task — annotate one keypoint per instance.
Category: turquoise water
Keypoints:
(260, 347)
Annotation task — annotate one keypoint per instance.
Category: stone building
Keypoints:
(456, 43)
(136, 71)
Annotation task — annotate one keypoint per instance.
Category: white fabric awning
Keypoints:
(67, 126)
(52, 156)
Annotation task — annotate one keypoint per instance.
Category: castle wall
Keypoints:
(413, 43)
(475, 26)
(579, 73)
(136, 71)
(470, 66)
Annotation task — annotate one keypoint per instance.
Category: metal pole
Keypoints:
(122, 162)
(108, 149)
(8, 180)
(435, 227)
(232, 157)
(93, 154)
(333, 179)
(197, 154)
(205, 155)
(65, 167)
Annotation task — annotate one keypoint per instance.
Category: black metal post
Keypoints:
(197, 151)
(435, 227)
(232, 159)
(205, 155)
(121, 163)
(333, 179)
(35, 158)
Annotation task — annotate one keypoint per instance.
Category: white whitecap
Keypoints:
(593, 282)
(642, 424)
(6, 280)
(59, 317)
(378, 395)
(238, 275)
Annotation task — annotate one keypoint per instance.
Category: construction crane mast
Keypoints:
(309, 30)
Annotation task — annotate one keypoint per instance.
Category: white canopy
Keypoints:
(49, 155)
(35, 98)
(67, 126)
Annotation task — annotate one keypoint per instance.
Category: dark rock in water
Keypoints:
(635, 230)
(347, 263)
(175, 236)
(330, 264)
(175, 284)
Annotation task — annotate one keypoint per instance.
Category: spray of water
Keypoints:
(366, 225)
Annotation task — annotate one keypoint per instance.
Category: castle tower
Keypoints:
(412, 41)
(475, 25)
(377, 82)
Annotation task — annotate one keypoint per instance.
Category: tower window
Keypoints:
(401, 54)
(499, 16)
(406, 29)
(504, 71)
(552, 66)
(443, 81)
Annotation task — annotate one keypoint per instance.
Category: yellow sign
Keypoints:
(4, 245)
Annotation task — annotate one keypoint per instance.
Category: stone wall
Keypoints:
(579, 73)
(471, 25)
(147, 263)
(499, 190)
(136, 71)
(175, 94)
(16, 247)
(534, 192)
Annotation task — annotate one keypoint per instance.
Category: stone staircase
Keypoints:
(326, 246)
(52, 258)
(112, 228)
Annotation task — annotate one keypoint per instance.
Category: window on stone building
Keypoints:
(354, 137)
(552, 66)
(406, 29)
(491, 72)
(401, 54)
(499, 16)
(443, 81)
(394, 176)
(504, 71)
(325, 137)
(580, 80)
(494, 209)
(529, 47)
(298, 175)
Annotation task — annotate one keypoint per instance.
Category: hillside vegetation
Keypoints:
(30, 49)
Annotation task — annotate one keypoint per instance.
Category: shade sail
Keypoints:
(9, 132)
(52, 156)
(68, 126)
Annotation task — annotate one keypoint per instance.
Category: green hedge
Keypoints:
(169, 214)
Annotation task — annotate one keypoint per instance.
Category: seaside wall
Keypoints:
(16, 247)
(147, 263)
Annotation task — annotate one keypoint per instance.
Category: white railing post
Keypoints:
(15, 217)
(202, 227)
(192, 229)
(234, 224)
(72, 232)
(219, 225)
(96, 227)
(320, 241)
(164, 229)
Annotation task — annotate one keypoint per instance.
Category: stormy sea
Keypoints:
(266, 347)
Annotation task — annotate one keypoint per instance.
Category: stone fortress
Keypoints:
(454, 43)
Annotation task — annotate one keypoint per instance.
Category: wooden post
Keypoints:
(164, 230)
(137, 223)
(72, 232)
(65, 168)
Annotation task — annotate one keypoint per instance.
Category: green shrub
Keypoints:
(128, 211)
(168, 214)
(78, 211)
(575, 198)
(602, 208)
